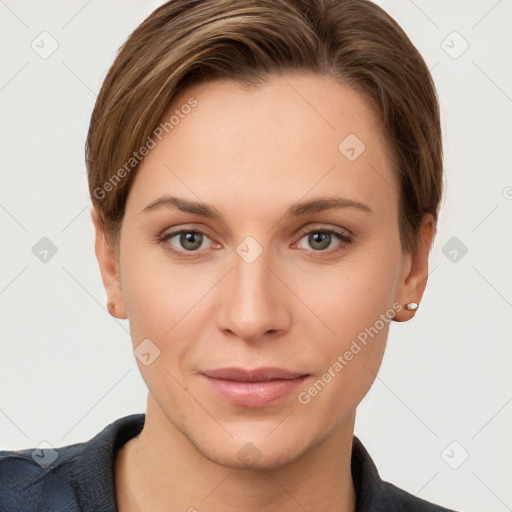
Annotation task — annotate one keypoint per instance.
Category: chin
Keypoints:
(250, 455)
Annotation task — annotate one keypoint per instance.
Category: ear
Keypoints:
(415, 270)
(109, 268)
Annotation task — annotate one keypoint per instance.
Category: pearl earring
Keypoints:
(411, 306)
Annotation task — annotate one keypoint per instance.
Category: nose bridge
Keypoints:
(253, 305)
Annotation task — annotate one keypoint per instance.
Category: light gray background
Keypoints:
(66, 366)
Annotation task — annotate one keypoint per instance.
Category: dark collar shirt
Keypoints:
(80, 477)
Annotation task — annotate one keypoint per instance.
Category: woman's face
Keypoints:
(244, 269)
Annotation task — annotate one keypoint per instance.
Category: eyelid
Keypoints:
(174, 230)
(325, 227)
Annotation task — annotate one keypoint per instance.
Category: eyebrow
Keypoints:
(295, 210)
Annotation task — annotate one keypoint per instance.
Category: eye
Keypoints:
(321, 239)
(191, 242)
(184, 241)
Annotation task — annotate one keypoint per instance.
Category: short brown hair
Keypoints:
(185, 42)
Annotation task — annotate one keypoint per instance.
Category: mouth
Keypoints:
(253, 388)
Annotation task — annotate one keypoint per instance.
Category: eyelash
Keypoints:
(342, 237)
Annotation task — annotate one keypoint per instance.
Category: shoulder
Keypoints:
(408, 502)
(38, 479)
(375, 495)
(71, 478)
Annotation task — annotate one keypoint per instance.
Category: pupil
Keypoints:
(190, 240)
(322, 238)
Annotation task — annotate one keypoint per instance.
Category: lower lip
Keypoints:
(254, 394)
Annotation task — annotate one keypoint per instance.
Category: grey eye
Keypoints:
(189, 240)
(319, 241)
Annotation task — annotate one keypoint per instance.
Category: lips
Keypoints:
(253, 388)
(256, 375)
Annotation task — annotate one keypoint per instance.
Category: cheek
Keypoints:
(163, 305)
(344, 382)
(351, 296)
(355, 302)
(359, 313)
(165, 302)
(153, 298)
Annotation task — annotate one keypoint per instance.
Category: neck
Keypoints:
(161, 469)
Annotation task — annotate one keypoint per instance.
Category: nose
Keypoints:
(254, 301)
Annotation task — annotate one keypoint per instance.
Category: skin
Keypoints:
(251, 153)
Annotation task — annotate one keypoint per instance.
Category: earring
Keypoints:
(111, 306)
(411, 306)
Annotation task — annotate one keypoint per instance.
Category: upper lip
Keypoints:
(254, 375)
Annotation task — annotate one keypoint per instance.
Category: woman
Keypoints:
(266, 179)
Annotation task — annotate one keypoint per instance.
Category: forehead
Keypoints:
(292, 136)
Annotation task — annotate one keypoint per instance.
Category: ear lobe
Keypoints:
(415, 272)
(109, 269)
